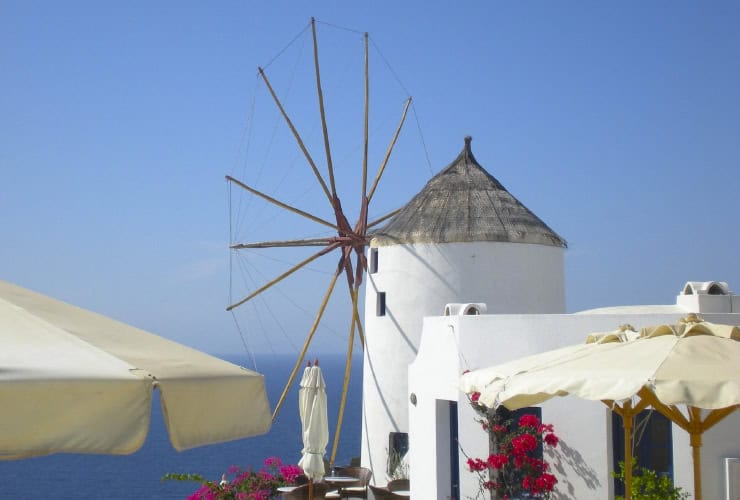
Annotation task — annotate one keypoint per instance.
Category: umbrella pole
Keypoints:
(310, 489)
(696, 452)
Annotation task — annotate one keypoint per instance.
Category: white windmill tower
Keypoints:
(462, 239)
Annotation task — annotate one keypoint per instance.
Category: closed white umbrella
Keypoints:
(692, 363)
(72, 381)
(314, 422)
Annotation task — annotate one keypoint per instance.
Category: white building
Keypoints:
(465, 240)
(584, 458)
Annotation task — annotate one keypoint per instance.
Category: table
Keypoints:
(338, 481)
(285, 489)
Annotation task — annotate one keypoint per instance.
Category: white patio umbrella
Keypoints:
(314, 422)
(693, 363)
(72, 381)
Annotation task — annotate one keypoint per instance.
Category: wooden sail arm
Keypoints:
(389, 151)
(361, 265)
(324, 129)
(383, 219)
(345, 262)
(358, 321)
(367, 121)
(343, 226)
(345, 385)
(284, 275)
(280, 203)
(296, 135)
(310, 242)
(306, 343)
(361, 225)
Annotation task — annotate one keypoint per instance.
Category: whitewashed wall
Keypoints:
(582, 462)
(418, 281)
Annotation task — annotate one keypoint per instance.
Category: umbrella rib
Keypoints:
(716, 416)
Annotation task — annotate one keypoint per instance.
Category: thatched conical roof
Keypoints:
(464, 203)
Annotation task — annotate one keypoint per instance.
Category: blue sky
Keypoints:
(618, 124)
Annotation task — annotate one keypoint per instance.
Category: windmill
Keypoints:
(349, 243)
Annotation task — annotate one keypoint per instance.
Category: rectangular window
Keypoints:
(652, 444)
(373, 260)
(380, 304)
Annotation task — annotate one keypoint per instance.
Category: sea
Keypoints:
(139, 475)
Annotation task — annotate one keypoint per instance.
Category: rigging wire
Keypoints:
(282, 261)
(340, 27)
(421, 136)
(413, 107)
(390, 68)
(245, 271)
(287, 297)
(276, 56)
(249, 352)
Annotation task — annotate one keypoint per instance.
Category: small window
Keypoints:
(373, 260)
(398, 446)
(380, 305)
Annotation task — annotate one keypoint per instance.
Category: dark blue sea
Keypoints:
(138, 476)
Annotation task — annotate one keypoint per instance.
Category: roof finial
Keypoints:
(468, 140)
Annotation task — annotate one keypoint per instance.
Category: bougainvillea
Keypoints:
(514, 465)
(238, 484)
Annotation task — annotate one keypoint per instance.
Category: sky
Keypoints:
(617, 124)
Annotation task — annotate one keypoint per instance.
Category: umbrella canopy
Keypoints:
(314, 420)
(692, 363)
(490, 382)
(73, 381)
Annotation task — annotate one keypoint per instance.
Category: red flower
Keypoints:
(529, 420)
(497, 461)
(527, 483)
(546, 482)
(544, 428)
(524, 443)
(551, 439)
(474, 397)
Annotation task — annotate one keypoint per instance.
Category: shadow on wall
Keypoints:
(564, 458)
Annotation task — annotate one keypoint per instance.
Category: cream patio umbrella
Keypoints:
(314, 422)
(72, 381)
(692, 363)
(489, 381)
